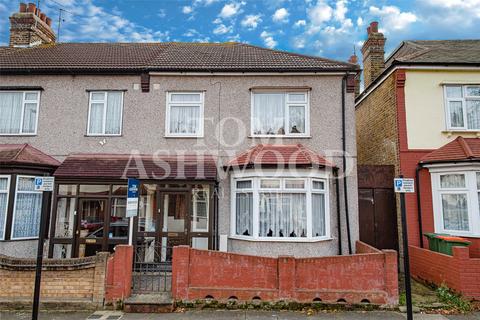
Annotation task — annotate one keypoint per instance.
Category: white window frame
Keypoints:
(105, 102)
(170, 103)
(15, 207)
(283, 175)
(286, 120)
(463, 100)
(472, 198)
(194, 208)
(24, 101)
(7, 192)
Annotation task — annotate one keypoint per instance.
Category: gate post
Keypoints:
(180, 270)
(119, 277)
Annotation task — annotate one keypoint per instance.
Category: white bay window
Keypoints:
(280, 114)
(456, 201)
(27, 209)
(4, 189)
(19, 112)
(105, 113)
(184, 114)
(280, 208)
(463, 107)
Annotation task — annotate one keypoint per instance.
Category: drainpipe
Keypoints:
(344, 146)
(339, 223)
(215, 215)
(419, 204)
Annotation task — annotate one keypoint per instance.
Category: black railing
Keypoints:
(152, 268)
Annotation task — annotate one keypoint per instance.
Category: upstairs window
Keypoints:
(280, 114)
(463, 107)
(19, 112)
(105, 113)
(184, 114)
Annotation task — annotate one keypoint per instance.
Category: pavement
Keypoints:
(234, 315)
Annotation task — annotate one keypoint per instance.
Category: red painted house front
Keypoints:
(418, 113)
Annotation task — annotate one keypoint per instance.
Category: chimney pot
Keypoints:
(353, 59)
(43, 16)
(373, 51)
(48, 21)
(23, 7)
(38, 12)
(31, 7)
(369, 30)
(374, 26)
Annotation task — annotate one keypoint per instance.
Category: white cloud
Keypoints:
(204, 2)
(162, 13)
(222, 29)
(281, 15)
(300, 23)
(393, 18)
(320, 13)
(268, 39)
(231, 9)
(299, 43)
(187, 9)
(217, 21)
(251, 21)
(359, 21)
(340, 10)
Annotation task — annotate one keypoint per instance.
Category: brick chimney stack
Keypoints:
(29, 27)
(373, 51)
(354, 60)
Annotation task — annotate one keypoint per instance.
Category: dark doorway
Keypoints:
(377, 207)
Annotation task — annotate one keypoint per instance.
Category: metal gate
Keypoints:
(152, 268)
(377, 206)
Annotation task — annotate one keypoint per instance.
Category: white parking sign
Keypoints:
(404, 185)
(44, 183)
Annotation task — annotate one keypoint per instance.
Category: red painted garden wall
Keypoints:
(459, 272)
(119, 274)
(368, 275)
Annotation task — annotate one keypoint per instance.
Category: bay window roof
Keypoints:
(121, 166)
(25, 154)
(459, 150)
(278, 154)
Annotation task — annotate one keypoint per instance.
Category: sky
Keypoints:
(327, 28)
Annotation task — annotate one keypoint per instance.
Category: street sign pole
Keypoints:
(41, 239)
(402, 186)
(132, 205)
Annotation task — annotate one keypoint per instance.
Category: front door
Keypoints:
(174, 222)
(90, 226)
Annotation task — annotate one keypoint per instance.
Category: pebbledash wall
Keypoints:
(77, 283)
(64, 108)
(370, 275)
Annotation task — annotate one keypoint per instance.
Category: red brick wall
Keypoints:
(119, 274)
(371, 275)
(459, 272)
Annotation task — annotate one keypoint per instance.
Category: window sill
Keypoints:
(18, 134)
(296, 240)
(449, 133)
(183, 137)
(19, 239)
(278, 136)
(103, 135)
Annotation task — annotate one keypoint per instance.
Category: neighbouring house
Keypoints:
(238, 148)
(419, 112)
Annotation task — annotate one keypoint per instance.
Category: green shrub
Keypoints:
(452, 299)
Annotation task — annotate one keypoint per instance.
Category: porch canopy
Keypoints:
(459, 150)
(24, 155)
(270, 155)
(123, 166)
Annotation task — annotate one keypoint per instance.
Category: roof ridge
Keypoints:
(300, 54)
(466, 148)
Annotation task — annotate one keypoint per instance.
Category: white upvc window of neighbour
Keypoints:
(27, 209)
(462, 107)
(280, 114)
(19, 112)
(200, 210)
(184, 116)
(4, 188)
(456, 200)
(105, 113)
(280, 208)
